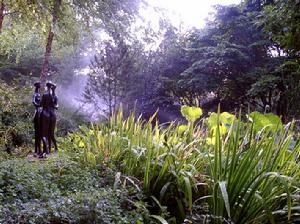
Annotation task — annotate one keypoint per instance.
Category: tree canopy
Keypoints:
(247, 55)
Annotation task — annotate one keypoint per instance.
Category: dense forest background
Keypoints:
(103, 54)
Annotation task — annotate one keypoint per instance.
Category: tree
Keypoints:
(55, 14)
(217, 60)
(110, 12)
(281, 19)
(2, 14)
(61, 20)
(112, 75)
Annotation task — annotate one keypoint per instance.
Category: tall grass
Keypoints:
(243, 174)
(254, 176)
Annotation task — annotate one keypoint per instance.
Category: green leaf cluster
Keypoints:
(224, 164)
(61, 190)
(269, 121)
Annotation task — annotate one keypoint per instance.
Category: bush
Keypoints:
(68, 120)
(15, 117)
(235, 171)
(60, 191)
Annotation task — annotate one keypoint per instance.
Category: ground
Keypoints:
(60, 190)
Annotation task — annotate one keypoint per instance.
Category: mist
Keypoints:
(71, 92)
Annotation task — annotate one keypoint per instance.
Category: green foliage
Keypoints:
(239, 174)
(158, 157)
(15, 117)
(219, 122)
(281, 20)
(263, 85)
(191, 113)
(26, 25)
(219, 58)
(112, 74)
(69, 119)
(230, 169)
(60, 190)
(253, 177)
(269, 121)
(232, 61)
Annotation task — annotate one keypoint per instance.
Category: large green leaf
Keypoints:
(191, 113)
(182, 128)
(225, 121)
(270, 121)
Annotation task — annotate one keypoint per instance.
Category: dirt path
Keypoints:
(31, 158)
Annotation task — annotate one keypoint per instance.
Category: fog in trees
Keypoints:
(239, 59)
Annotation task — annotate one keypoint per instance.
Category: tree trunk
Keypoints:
(45, 65)
(2, 7)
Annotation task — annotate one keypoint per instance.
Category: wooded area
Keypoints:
(247, 56)
(159, 124)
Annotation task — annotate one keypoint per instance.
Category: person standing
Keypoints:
(53, 118)
(46, 103)
(36, 100)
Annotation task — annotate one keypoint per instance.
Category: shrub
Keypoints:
(15, 117)
(241, 172)
(60, 191)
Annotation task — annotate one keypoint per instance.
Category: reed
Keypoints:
(245, 171)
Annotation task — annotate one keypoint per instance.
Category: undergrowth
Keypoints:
(60, 190)
(220, 169)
